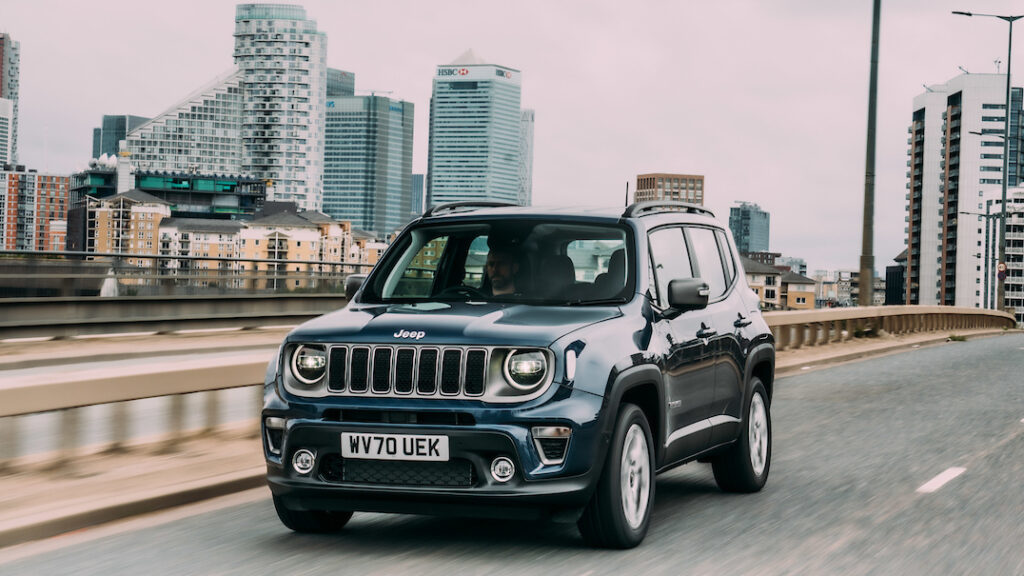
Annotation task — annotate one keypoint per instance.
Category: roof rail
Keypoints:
(470, 204)
(655, 206)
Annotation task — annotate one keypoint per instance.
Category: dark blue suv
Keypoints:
(526, 363)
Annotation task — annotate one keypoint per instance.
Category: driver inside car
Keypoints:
(502, 268)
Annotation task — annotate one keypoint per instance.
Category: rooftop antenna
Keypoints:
(997, 62)
(627, 194)
(927, 88)
(964, 70)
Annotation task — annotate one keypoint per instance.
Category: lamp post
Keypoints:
(1001, 282)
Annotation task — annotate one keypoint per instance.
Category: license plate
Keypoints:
(394, 446)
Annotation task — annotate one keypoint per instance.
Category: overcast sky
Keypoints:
(766, 99)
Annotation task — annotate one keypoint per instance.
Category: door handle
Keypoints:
(706, 332)
(741, 321)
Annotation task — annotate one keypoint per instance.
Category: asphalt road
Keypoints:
(853, 447)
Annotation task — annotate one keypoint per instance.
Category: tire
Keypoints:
(619, 512)
(744, 466)
(311, 521)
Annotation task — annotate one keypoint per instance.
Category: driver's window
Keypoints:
(417, 279)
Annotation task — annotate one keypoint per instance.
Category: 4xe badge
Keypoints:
(408, 334)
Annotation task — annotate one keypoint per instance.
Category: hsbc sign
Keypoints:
(477, 73)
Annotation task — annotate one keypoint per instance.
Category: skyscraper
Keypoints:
(368, 162)
(749, 225)
(475, 125)
(526, 158)
(340, 83)
(201, 134)
(112, 130)
(10, 64)
(952, 170)
(283, 60)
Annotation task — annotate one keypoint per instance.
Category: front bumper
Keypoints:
(464, 486)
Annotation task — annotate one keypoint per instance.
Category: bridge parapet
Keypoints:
(798, 328)
(196, 371)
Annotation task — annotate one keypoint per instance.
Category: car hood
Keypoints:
(447, 323)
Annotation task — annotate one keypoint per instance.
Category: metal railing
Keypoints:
(47, 274)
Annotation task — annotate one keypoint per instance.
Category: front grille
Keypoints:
(454, 473)
(383, 370)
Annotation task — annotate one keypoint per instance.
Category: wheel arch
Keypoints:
(641, 386)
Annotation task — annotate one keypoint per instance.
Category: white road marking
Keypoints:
(940, 480)
(806, 368)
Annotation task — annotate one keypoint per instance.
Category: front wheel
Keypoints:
(311, 521)
(619, 513)
(744, 466)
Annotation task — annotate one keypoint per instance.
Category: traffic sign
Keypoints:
(1001, 267)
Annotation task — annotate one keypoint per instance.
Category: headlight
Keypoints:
(525, 370)
(309, 364)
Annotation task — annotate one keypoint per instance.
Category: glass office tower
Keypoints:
(475, 125)
(368, 162)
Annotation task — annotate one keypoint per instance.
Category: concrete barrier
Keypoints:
(798, 328)
(78, 316)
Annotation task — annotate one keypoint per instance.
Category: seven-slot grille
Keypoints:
(450, 371)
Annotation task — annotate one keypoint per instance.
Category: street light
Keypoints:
(1001, 286)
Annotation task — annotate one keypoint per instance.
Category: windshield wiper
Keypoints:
(602, 302)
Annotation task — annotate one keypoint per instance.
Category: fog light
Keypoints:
(303, 461)
(275, 422)
(502, 469)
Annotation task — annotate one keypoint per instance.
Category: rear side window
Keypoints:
(727, 256)
(709, 260)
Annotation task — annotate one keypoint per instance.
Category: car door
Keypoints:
(716, 266)
(688, 359)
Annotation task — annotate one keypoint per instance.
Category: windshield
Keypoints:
(534, 262)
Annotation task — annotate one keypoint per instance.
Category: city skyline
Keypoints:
(768, 102)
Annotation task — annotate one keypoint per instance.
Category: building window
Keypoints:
(769, 294)
(801, 300)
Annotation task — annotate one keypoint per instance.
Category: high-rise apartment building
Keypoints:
(368, 162)
(526, 158)
(749, 225)
(475, 124)
(6, 131)
(10, 66)
(113, 129)
(955, 167)
(665, 186)
(283, 60)
(33, 209)
(200, 134)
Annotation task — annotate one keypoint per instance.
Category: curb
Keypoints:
(48, 524)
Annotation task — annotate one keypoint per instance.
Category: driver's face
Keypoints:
(501, 269)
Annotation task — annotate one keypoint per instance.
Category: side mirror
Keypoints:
(688, 294)
(352, 284)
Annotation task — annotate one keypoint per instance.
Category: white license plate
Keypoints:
(394, 446)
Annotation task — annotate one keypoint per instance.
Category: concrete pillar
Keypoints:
(70, 424)
(212, 411)
(9, 440)
(175, 423)
(119, 429)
